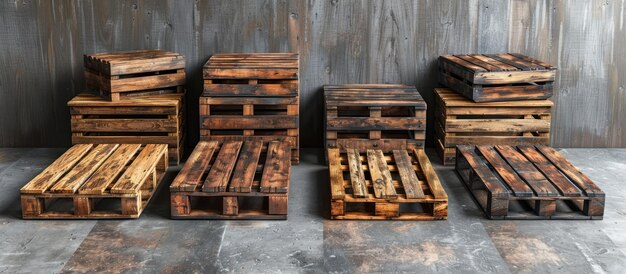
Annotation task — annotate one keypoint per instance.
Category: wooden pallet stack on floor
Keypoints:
(374, 116)
(233, 180)
(143, 120)
(497, 77)
(251, 97)
(460, 121)
(376, 185)
(107, 181)
(527, 182)
(121, 75)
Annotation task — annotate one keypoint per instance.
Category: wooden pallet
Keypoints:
(380, 116)
(527, 182)
(398, 185)
(108, 181)
(251, 97)
(497, 77)
(233, 180)
(460, 121)
(135, 73)
(144, 120)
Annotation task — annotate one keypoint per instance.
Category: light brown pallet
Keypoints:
(233, 180)
(122, 75)
(528, 183)
(460, 121)
(396, 185)
(497, 77)
(379, 116)
(108, 181)
(144, 120)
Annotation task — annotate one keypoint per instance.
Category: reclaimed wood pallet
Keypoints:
(379, 116)
(251, 97)
(376, 185)
(107, 181)
(497, 77)
(460, 121)
(233, 180)
(119, 75)
(527, 182)
(144, 120)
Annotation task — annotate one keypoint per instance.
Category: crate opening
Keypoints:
(149, 73)
(364, 207)
(235, 110)
(353, 111)
(108, 205)
(397, 111)
(59, 205)
(414, 208)
(270, 109)
(270, 132)
(226, 132)
(126, 116)
(129, 134)
(488, 116)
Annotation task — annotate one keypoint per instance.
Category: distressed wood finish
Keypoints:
(233, 180)
(527, 182)
(96, 181)
(251, 97)
(116, 75)
(460, 121)
(380, 116)
(143, 120)
(497, 77)
(375, 185)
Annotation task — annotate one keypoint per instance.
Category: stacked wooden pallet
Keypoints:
(251, 97)
(374, 116)
(141, 100)
(492, 99)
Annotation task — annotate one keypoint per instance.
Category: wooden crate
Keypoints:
(119, 75)
(379, 116)
(107, 181)
(497, 77)
(145, 120)
(251, 97)
(377, 185)
(527, 182)
(460, 121)
(233, 180)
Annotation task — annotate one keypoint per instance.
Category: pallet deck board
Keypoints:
(460, 121)
(364, 186)
(125, 175)
(553, 193)
(497, 77)
(381, 116)
(233, 180)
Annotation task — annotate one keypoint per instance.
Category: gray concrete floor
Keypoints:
(308, 242)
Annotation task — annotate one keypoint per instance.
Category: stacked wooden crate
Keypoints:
(251, 97)
(141, 100)
(374, 116)
(497, 99)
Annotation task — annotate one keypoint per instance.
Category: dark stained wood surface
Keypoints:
(390, 41)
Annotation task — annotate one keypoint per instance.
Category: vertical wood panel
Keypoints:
(340, 41)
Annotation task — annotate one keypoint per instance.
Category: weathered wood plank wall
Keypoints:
(340, 41)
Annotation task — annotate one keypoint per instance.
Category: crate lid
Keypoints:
(252, 66)
(453, 99)
(87, 99)
(134, 62)
(373, 95)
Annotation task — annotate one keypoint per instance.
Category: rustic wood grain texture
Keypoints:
(390, 41)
